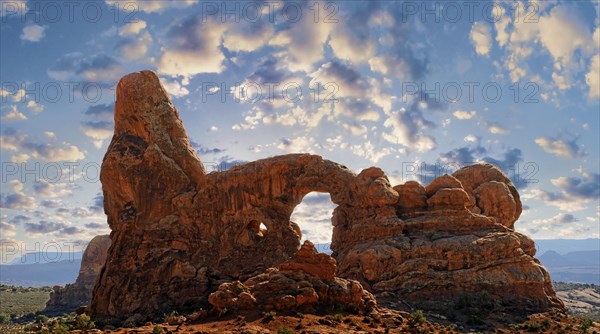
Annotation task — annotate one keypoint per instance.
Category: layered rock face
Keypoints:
(80, 293)
(179, 233)
(306, 282)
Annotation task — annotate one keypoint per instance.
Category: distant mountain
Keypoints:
(578, 267)
(46, 257)
(564, 246)
(40, 274)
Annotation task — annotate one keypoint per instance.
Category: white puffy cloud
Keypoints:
(13, 115)
(19, 95)
(132, 28)
(248, 36)
(496, 129)
(462, 115)
(481, 36)
(303, 44)
(98, 131)
(137, 47)
(405, 129)
(301, 144)
(48, 151)
(560, 147)
(592, 78)
(368, 151)
(18, 199)
(193, 48)
(174, 88)
(33, 106)
(33, 33)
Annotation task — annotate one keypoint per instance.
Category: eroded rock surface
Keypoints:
(70, 297)
(306, 282)
(179, 233)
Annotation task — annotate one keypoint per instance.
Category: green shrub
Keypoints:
(417, 318)
(41, 318)
(587, 324)
(83, 321)
(158, 330)
(4, 318)
(284, 330)
(269, 315)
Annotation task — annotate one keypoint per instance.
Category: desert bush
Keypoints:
(284, 330)
(158, 330)
(4, 318)
(417, 318)
(587, 324)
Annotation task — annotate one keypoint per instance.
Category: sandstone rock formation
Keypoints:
(178, 233)
(79, 293)
(305, 282)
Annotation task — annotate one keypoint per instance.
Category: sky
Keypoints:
(418, 88)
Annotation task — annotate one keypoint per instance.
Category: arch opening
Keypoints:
(313, 215)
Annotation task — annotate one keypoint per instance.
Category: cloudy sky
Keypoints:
(412, 87)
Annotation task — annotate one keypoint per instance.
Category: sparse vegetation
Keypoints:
(174, 318)
(158, 330)
(417, 318)
(585, 326)
(536, 326)
(19, 301)
(268, 316)
(284, 330)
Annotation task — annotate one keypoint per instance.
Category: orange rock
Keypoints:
(179, 233)
(308, 260)
(78, 294)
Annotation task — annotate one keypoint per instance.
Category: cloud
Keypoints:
(507, 160)
(13, 141)
(557, 221)
(346, 79)
(101, 111)
(98, 131)
(33, 33)
(368, 151)
(592, 78)
(313, 215)
(302, 44)
(560, 147)
(44, 227)
(174, 88)
(13, 115)
(248, 36)
(150, 6)
(134, 48)
(132, 29)
(19, 95)
(44, 188)
(202, 150)
(10, 7)
(481, 36)
(497, 129)
(574, 193)
(18, 199)
(95, 68)
(96, 226)
(407, 125)
(300, 144)
(462, 115)
(352, 41)
(8, 230)
(193, 48)
(34, 107)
